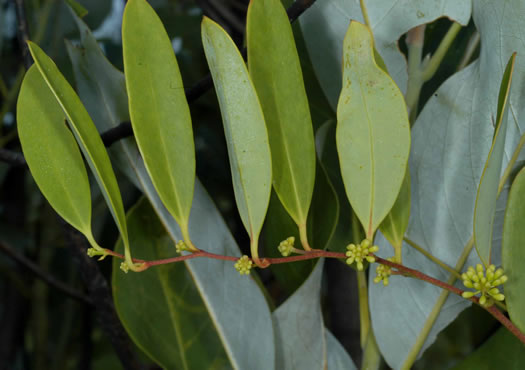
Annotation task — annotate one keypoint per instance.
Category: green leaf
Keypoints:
(169, 320)
(395, 223)
(513, 251)
(373, 134)
(227, 297)
(160, 115)
(79, 10)
(87, 137)
(326, 147)
(282, 94)
(244, 126)
(325, 23)
(299, 327)
(52, 153)
(501, 351)
(488, 186)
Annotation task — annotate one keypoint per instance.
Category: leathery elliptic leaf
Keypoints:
(373, 135)
(159, 112)
(244, 127)
(52, 153)
(488, 186)
(282, 94)
(170, 322)
(88, 139)
(513, 251)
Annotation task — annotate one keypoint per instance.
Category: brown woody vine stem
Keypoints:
(316, 253)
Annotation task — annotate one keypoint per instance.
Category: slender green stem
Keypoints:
(371, 355)
(471, 48)
(364, 317)
(437, 261)
(510, 165)
(436, 59)
(431, 319)
(304, 237)
(365, 14)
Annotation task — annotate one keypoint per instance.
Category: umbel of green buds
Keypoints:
(359, 253)
(182, 246)
(286, 246)
(244, 265)
(484, 283)
(383, 272)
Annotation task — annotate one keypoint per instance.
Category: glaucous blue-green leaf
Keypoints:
(450, 143)
(336, 355)
(282, 94)
(159, 112)
(488, 186)
(299, 328)
(501, 351)
(513, 251)
(244, 127)
(395, 223)
(228, 298)
(373, 134)
(87, 138)
(325, 23)
(161, 308)
(52, 153)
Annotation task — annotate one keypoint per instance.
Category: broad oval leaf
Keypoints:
(336, 355)
(52, 153)
(244, 126)
(282, 94)
(227, 296)
(513, 251)
(395, 223)
(325, 23)
(488, 186)
(373, 134)
(299, 327)
(159, 112)
(87, 137)
(176, 330)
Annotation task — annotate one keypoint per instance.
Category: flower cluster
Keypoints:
(383, 272)
(182, 246)
(286, 246)
(360, 252)
(243, 265)
(484, 283)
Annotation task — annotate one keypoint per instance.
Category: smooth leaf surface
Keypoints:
(373, 134)
(86, 134)
(282, 94)
(450, 143)
(513, 251)
(244, 126)
(228, 298)
(159, 112)
(161, 308)
(488, 186)
(325, 23)
(299, 327)
(395, 223)
(501, 351)
(326, 147)
(52, 153)
(336, 355)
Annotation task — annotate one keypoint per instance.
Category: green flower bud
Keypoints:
(243, 265)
